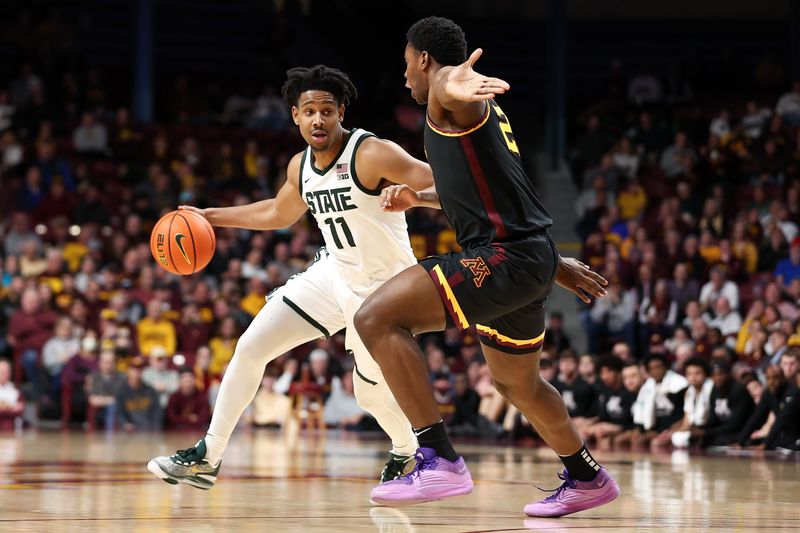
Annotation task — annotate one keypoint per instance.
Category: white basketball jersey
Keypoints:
(369, 243)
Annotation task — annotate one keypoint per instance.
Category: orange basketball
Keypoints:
(182, 242)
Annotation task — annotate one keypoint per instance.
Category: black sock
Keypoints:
(580, 465)
(435, 436)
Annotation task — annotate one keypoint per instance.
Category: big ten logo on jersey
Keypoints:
(505, 127)
(329, 201)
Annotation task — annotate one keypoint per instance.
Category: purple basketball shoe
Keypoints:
(573, 496)
(433, 478)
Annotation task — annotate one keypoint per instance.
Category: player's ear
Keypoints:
(424, 60)
(295, 114)
(341, 113)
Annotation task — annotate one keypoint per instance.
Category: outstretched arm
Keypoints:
(460, 92)
(274, 213)
(397, 198)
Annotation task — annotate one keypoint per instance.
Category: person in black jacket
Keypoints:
(731, 405)
(614, 405)
(785, 432)
(466, 403)
(579, 397)
(782, 400)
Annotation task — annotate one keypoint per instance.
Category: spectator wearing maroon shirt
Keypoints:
(657, 316)
(73, 377)
(58, 202)
(193, 332)
(29, 328)
(187, 408)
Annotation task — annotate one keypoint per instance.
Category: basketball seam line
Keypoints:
(191, 236)
(169, 246)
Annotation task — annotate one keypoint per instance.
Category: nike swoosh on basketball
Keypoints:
(178, 238)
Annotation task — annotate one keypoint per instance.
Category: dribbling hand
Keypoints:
(193, 209)
(398, 198)
(466, 85)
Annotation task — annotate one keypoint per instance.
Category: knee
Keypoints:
(514, 387)
(366, 399)
(247, 348)
(367, 322)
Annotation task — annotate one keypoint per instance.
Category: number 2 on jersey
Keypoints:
(331, 222)
(505, 127)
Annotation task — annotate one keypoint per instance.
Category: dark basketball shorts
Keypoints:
(501, 288)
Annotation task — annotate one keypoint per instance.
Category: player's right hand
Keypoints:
(398, 198)
(466, 85)
(578, 278)
(193, 209)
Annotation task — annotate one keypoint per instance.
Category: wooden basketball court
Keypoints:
(65, 481)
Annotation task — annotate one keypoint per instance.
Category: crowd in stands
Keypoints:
(693, 219)
(92, 331)
(691, 212)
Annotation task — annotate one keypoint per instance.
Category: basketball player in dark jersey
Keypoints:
(499, 282)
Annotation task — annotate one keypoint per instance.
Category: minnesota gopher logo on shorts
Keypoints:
(478, 268)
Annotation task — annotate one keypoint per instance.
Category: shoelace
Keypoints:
(569, 483)
(395, 467)
(188, 455)
(421, 465)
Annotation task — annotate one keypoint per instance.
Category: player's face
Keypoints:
(774, 378)
(632, 378)
(415, 76)
(657, 370)
(720, 377)
(609, 377)
(696, 376)
(789, 366)
(567, 366)
(319, 117)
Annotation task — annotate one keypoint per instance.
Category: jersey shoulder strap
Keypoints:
(302, 169)
(362, 136)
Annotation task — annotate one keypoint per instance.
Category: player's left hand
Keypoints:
(578, 278)
(398, 198)
(466, 85)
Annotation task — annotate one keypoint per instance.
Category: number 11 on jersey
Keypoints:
(331, 222)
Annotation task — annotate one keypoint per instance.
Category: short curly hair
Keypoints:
(442, 38)
(317, 78)
(698, 362)
(612, 362)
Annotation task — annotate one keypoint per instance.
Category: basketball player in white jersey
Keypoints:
(338, 178)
